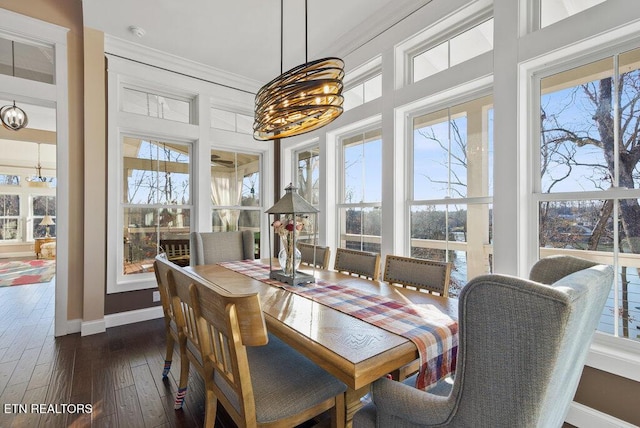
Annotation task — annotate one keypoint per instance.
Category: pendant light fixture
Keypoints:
(39, 180)
(302, 99)
(13, 118)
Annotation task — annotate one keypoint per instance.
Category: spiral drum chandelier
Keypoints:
(300, 100)
(304, 98)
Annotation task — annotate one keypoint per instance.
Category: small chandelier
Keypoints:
(12, 117)
(300, 100)
(38, 180)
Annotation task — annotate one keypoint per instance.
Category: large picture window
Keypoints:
(9, 217)
(589, 181)
(451, 205)
(156, 202)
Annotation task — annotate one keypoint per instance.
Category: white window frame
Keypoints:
(616, 355)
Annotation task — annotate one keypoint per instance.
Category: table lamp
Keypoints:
(46, 222)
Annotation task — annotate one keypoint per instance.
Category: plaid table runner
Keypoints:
(434, 333)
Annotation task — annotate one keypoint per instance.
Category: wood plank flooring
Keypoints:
(118, 373)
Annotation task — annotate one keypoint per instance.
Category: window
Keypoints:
(363, 92)
(361, 193)
(450, 208)
(230, 121)
(156, 201)
(9, 180)
(42, 206)
(457, 49)
(236, 192)
(308, 184)
(156, 105)
(588, 188)
(27, 60)
(9, 217)
(552, 11)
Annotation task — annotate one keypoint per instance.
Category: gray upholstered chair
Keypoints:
(215, 247)
(321, 259)
(258, 379)
(362, 263)
(522, 347)
(428, 275)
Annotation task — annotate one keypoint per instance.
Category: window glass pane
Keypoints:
(629, 127)
(361, 228)
(235, 185)
(43, 206)
(472, 43)
(9, 180)
(431, 62)
(32, 62)
(9, 217)
(373, 88)
(555, 10)
(577, 129)
(155, 105)
(141, 239)
(353, 97)
(459, 234)
(221, 119)
(309, 175)
(453, 152)
(156, 172)
(244, 124)
(362, 168)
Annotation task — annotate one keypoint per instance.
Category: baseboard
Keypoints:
(74, 326)
(92, 327)
(582, 416)
(130, 317)
(18, 254)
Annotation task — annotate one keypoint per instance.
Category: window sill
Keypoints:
(615, 355)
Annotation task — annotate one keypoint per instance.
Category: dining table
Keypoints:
(353, 350)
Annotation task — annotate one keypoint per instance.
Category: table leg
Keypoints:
(353, 403)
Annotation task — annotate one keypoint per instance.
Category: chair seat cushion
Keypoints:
(284, 382)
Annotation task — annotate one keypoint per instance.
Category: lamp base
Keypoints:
(297, 279)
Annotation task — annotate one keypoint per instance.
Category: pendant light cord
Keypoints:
(281, 35)
(306, 37)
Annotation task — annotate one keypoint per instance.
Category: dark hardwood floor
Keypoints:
(119, 373)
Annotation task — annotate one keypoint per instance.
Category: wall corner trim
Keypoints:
(74, 326)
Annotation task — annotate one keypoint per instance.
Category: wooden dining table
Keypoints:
(352, 350)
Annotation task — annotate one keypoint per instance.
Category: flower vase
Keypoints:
(286, 257)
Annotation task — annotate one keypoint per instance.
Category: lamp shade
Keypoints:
(292, 203)
(47, 221)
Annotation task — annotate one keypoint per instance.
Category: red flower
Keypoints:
(289, 227)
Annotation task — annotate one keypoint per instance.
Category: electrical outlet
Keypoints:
(156, 296)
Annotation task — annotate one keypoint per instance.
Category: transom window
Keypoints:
(169, 107)
(230, 121)
(27, 60)
(456, 50)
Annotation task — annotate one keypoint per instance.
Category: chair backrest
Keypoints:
(361, 263)
(216, 247)
(178, 282)
(523, 344)
(223, 345)
(430, 275)
(161, 269)
(177, 250)
(322, 255)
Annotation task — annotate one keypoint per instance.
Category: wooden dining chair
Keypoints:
(321, 258)
(182, 306)
(426, 275)
(361, 263)
(161, 269)
(258, 379)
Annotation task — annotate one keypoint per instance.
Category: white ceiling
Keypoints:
(243, 36)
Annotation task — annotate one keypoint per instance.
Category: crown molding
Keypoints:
(164, 60)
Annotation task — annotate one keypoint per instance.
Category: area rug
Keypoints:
(26, 272)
